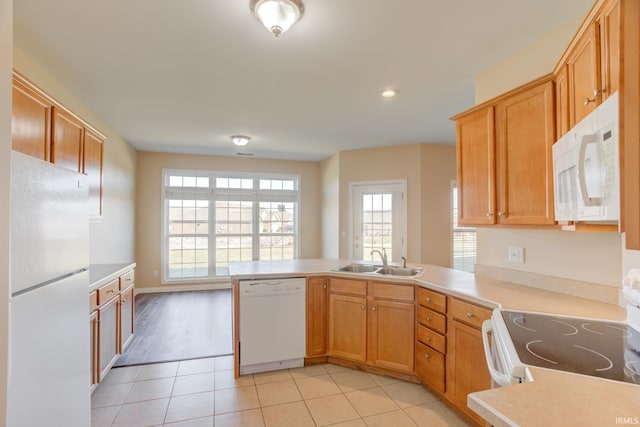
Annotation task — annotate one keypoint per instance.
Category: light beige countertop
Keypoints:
(554, 397)
(101, 274)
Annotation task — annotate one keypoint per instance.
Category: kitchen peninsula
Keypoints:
(455, 303)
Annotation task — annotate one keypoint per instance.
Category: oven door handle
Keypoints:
(500, 378)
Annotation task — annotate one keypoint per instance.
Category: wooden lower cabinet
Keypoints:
(348, 327)
(467, 370)
(127, 307)
(430, 366)
(372, 323)
(390, 337)
(317, 311)
(108, 327)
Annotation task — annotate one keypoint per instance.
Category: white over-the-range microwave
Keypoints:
(586, 167)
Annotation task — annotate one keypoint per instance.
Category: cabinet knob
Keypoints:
(124, 300)
(469, 315)
(373, 308)
(587, 101)
(110, 291)
(501, 213)
(489, 214)
(363, 307)
(428, 299)
(426, 356)
(428, 339)
(428, 318)
(324, 286)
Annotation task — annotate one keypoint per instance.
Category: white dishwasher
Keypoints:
(272, 324)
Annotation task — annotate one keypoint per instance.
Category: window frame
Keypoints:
(213, 195)
(457, 228)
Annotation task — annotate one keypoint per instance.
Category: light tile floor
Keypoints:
(204, 393)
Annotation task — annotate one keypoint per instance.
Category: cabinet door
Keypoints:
(94, 348)
(30, 121)
(66, 146)
(127, 306)
(630, 118)
(476, 168)
(430, 366)
(609, 26)
(563, 116)
(526, 132)
(317, 300)
(391, 334)
(108, 335)
(467, 370)
(92, 167)
(584, 75)
(348, 327)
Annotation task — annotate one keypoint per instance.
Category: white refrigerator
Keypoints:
(49, 362)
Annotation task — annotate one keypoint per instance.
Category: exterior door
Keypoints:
(379, 220)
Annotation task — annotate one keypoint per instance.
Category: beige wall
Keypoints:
(590, 257)
(149, 205)
(438, 170)
(525, 65)
(6, 59)
(428, 170)
(330, 179)
(112, 237)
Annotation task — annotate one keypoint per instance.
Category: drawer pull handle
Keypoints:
(469, 315)
(110, 291)
(428, 318)
(426, 356)
(428, 339)
(428, 299)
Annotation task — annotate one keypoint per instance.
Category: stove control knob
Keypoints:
(469, 315)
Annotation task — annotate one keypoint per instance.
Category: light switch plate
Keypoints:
(516, 254)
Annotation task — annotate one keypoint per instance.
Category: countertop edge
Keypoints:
(114, 271)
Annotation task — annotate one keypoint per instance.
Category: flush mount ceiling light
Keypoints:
(240, 140)
(389, 93)
(277, 15)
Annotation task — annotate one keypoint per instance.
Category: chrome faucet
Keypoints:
(404, 262)
(383, 255)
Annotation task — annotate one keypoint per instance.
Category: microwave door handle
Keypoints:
(582, 178)
(499, 377)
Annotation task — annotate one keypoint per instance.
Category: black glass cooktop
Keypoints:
(589, 347)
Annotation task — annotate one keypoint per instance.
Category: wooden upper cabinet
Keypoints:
(30, 120)
(92, 167)
(66, 144)
(475, 134)
(563, 115)
(526, 132)
(609, 29)
(584, 75)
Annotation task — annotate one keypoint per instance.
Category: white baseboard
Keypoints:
(184, 288)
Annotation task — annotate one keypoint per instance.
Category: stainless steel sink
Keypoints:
(399, 271)
(378, 269)
(359, 268)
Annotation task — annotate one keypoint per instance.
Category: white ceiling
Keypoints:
(184, 75)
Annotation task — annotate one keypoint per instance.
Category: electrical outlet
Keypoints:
(516, 254)
(155, 273)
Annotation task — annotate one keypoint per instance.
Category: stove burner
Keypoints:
(584, 326)
(515, 321)
(575, 330)
(599, 354)
(537, 355)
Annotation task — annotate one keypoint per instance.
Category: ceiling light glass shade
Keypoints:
(389, 93)
(240, 140)
(277, 15)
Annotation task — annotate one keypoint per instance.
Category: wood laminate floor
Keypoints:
(179, 326)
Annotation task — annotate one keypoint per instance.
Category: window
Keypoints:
(214, 218)
(464, 238)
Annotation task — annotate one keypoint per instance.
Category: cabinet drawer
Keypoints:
(391, 291)
(432, 300)
(126, 280)
(433, 320)
(348, 286)
(430, 366)
(93, 301)
(432, 339)
(108, 291)
(470, 314)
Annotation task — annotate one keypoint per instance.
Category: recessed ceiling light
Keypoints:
(240, 140)
(389, 93)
